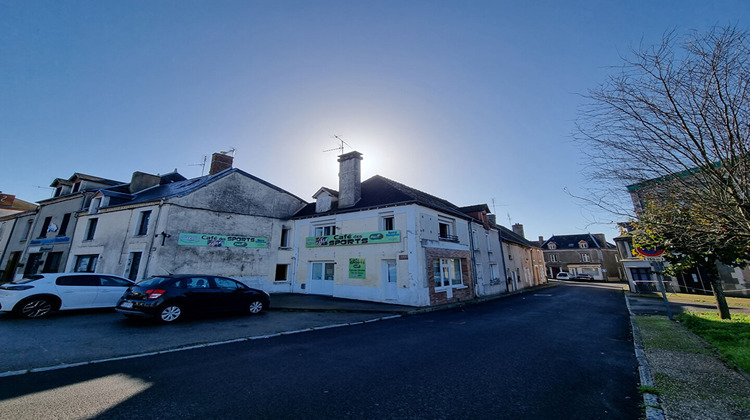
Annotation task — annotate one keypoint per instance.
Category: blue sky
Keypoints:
(467, 100)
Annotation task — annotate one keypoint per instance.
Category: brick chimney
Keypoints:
(350, 184)
(219, 162)
(518, 230)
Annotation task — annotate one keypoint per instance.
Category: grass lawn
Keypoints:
(731, 337)
(686, 297)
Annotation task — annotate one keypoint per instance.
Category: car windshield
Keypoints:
(28, 279)
(153, 281)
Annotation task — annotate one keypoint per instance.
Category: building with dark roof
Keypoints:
(41, 244)
(226, 223)
(583, 253)
(381, 240)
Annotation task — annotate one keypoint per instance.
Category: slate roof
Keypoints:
(379, 191)
(564, 242)
(510, 236)
(174, 189)
(84, 177)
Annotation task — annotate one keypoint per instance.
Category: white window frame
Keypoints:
(323, 271)
(450, 229)
(385, 219)
(323, 228)
(585, 257)
(551, 245)
(445, 274)
(553, 258)
(141, 216)
(583, 245)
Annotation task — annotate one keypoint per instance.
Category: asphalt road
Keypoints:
(564, 352)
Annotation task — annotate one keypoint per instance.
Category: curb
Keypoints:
(654, 411)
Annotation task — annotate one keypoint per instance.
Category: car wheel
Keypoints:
(35, 308)
(170, 313)
(256, 307)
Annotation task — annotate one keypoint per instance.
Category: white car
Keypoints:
(39, 294)
(564, 276)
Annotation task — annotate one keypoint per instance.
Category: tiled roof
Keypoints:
(379, 191)
(178, 188)
(563, 242)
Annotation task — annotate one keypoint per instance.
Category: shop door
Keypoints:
(321, 278)
(391, 281)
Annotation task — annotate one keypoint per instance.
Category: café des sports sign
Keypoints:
(364, 238)
(226, 241)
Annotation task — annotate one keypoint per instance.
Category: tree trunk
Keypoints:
(721, 300)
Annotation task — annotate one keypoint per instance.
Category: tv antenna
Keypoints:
(494, 206)
(341, 146)
(230, 151)
(202, 164)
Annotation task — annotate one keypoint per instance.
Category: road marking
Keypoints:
(189, 347)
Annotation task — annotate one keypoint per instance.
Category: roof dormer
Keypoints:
(325, 199)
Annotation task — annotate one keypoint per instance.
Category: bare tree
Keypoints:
(673, 126)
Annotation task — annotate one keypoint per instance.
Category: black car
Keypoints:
(170, 298)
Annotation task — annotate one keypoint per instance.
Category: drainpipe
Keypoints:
(502, 256)
(153, 237)
(473, 260)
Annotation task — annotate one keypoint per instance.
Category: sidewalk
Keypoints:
(691, 380)
(319, 303)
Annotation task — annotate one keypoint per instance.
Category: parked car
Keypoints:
(170, 298)
(563, 276)
(583, 277)
(37, 295)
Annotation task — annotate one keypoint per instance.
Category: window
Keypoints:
(134, 263)
(58, 191)
(551, 245)
(552, 257)
(113, 281)
(475, 239)
(326, 230)
(583, 245)
(84, 280)
(143, 223)
(585, 258)
(223, 283)
(45, 226)
(76, 186)
(387, 223)
(390, 271)
(52, 265)
(493, 272)
(86, 263)
(447, 272)
(282, 271)
(480, 273)
(91, 229)
(27, 233)
(284, 243)
(322, 270)
(64, 225)
(447, 230)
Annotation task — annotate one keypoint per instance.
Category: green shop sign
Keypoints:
(365, 238)
(226, 241)
(357, 268)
